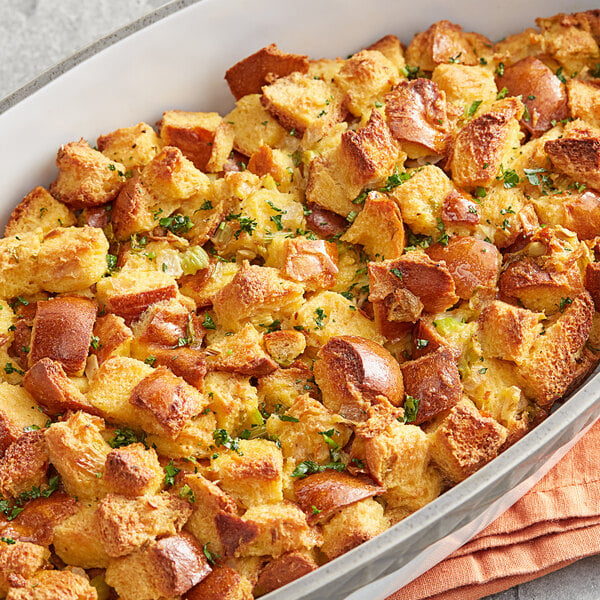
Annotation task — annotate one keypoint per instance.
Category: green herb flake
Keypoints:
(126, 436)
(208, 322)
(500, 70)
(211, 557)
(150, 360)
(177, 224)
(320, 315)
(187, 493)
(559, 74)
(502, 94)
(171, 472)
(411, 408)
(564, 302)
(473, 108)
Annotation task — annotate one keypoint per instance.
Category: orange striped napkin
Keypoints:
(556, 523)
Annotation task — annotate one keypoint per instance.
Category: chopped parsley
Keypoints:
(502, 93)
(246, 224)
(95, 342)
(187, 493)
(559, 74)
(510, 177)
(396, 179)
(208, 322)
(171, 472)
(320, 315)
(211, 557)
(9, 369)
(564, 302)
(500, 70)
(309, 467)
(177, 224)
(532, 175)
(411, 408)
(473, 108)
(222, 438)
(420, 344)
(397, 272)
(288, 418)
(126, 436)
(111, 262)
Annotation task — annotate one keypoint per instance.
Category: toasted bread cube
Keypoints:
(285, 346)
(241, 353)
(223, 583)
(552, 361)
(592, 282)
(257, 295)
(254, 126)
(301, 436)
(584, 101)
(300, 102)
(364, 78)
(378, 228)
(419, 199)
(85, 176)
(24, 465)
(508, 332)
(20, 561)
(283, 570)
(38, 209)
(279, 165)
(76, 539)
(47, 585)
(18, 410)
(391, 48)
(250, 74)
(133, 470)
(48, 383)
(125, 524)
(541, 91)
(167, 568)
(434, 381)
(325, 68)
(132, 146)
(465, 440)
(194, 440)
(62, 331)
(443, 42)
(481, 147)
(281, 528)
(352, 526)
(132, 210)
(459, 209)
(129, 293)
(17, 259)
(113, 335)
(518, 46)
(473, 264)
(417, 116)
(464, 84)
(204, 138)
(363, 158)
(79, 436)
(577, 153)
(328, 314)
(254, 476)
(282, 387)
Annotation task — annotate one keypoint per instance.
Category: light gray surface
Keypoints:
(35, 34)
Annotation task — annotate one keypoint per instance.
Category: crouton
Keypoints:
(257, 295)
(279, 165)
(249, 75)
(19, 561)
(38, 210)
(516, 47)
(132, 146)
(47, 585)
(481, 147)
(85, 176)
(166, 568)
(62, 331)
(76, 539)
(132, 210)
(283, 570)
(284, 346)
(551, 363)
(253, 474)
(282, 387)
(459, 209)
(125, 524)
(354, 372)
(577, 153)
(391, 48)
(24, 465)
(543, 93)
(18, 411)
(464, 84)
(378, 228)
(68, 441)
(223, 583)
(417, 117)
(363, 158)
(241, 353)
(464, 440)
(473, 264)
(433, 380)
(300, 429)
(352, 526)
(133, 470)
(584, 101)
(114, 337)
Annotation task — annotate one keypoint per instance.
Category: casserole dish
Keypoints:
(89, 100)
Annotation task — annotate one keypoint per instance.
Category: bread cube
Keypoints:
(20, 561)
(132, 210)
(132, 146)
(279, 165)
(48, 585)
(391, 48)
(253, 476)
(133, 470)
(250, 74)
(76, 539)
(300, 434)
(38, 209)
(282, 387)
(363, 158)
(223, 583)
(85, 176)
(113, 335)
(481, 147)
(18, 410)
(465, 440)
(584, 101)
(378, 228)
(257, 295)
(67, 441)
(24, 465)
(464, 84)
(283, 570)
(284, 346)
(352, 526)
(365, 77)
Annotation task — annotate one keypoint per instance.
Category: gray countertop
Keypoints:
(35, 34)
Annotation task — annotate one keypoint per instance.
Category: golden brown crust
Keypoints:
(62, 331)
(114, 337)
(311, 262)
(234, 532)
(283, 570)
(250, 74)
(133, 470)
(48, 585)
(459, 209)
(132, 146)
(24, 464)
(224, 583)
(354, 372)
(434, 381)
(19, 562)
